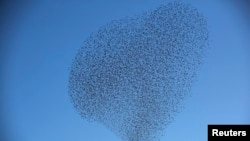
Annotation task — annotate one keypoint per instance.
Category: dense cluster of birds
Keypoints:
(133, 73)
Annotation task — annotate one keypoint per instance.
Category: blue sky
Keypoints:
(40, 39)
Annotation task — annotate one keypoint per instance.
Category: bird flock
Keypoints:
(133, 73)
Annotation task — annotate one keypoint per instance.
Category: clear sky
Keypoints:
(40, 39)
